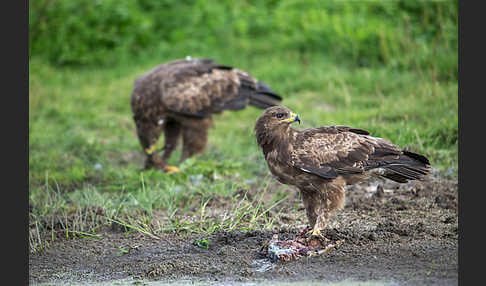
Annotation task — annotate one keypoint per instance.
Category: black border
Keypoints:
(470, 120)
(15, 115)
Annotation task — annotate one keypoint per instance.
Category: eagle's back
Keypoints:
(146, 98)
(202, 90)
(201, 87)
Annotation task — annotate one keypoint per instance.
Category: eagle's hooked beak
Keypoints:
(293, 117)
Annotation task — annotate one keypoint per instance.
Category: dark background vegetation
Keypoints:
(402, 34)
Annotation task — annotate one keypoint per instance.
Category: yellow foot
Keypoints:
(315, 233)
(150, 150)
(171, 169)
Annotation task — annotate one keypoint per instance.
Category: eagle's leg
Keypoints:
(172, 132)
(320, 225)
(311, 199)
(195, 138)
(321, 201)
(194, 142)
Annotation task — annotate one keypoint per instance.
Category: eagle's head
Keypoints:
(273, 121)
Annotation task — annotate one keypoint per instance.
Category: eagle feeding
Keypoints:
(321, 161)
(179, 98)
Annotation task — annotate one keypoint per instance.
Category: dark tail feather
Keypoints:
(410, 166)
(408, 172)
(264, 96)
(395, 177)
(417, 157)
(263, 88)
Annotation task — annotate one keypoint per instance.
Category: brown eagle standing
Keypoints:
(179, 98)
(321, 161)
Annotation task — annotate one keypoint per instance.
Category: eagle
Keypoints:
(179, 98)
(321, 161)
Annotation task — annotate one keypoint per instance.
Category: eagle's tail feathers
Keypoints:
(417, 157)
(410, 166)
(395, 177)
(406, 172)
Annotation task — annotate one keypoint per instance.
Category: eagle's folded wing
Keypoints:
(339, 150)
(206, 88)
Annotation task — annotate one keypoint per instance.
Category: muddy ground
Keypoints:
(402, 234)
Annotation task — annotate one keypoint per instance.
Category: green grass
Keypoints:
(85, 160)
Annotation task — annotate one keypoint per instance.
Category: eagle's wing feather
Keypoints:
(204, 88)
(339, 150)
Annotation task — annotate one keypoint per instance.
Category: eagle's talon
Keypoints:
(151, 149)
(315, 233)
(171, 169)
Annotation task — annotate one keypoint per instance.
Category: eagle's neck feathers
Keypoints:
(279, 138)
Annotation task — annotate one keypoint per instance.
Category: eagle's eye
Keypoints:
(280, 115)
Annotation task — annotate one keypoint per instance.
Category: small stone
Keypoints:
(98, 167)
(380, 192)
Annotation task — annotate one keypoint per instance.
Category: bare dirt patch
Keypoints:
(406, 234)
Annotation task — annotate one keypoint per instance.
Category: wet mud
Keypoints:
(405, 234)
